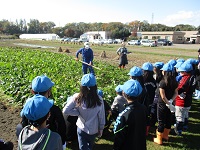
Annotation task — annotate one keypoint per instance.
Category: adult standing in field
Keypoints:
(41, 85)
(130, 125)
(36, 135)
(87, 58)
(167, 94)
(122, 52)
(89, 107)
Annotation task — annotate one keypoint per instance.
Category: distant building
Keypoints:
(178, 37)
(91, 35)
(39, 36)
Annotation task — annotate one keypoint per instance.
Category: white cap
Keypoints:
(87, 45)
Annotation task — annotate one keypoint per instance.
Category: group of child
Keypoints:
(153, 94)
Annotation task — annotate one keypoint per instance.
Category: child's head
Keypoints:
(118, 89)
(135, 72)
(132, 90)
(185, 68)
(36, 109)
(41, 84)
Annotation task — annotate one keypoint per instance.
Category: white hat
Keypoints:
(87, 45)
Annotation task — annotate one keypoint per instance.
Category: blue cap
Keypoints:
(118, 88)
(135, 71)
(180, 60)
(100, 92)
(192, 61)
(158, 64)
(186, 67)
(172, 62)
(36, 107)
(147, 66)
(167, 67)
(132, 88)
(88, 80)
(178, 64)
(41, 84)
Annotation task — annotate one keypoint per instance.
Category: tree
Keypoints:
(34, 26)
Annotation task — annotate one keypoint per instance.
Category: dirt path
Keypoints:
(9, 120)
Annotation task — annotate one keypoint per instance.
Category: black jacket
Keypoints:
(130, 128)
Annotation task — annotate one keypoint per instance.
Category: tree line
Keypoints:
(117, 29)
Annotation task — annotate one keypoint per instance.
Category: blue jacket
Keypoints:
(87, 54)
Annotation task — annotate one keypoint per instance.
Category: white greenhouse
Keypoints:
(40, 36)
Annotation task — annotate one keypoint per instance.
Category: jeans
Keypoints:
(85, 69)
(85, 140)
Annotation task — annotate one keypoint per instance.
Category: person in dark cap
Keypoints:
(130, 125)
(36, 135)
(41, 85)
(89, 107)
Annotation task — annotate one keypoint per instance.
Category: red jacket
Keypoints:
(186, 86)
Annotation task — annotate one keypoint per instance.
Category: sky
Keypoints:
(61, 12)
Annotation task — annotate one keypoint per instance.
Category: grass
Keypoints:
(189, 141)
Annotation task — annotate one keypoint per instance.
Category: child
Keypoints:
(167, 91)
(130, 126)
(119, 102)
(42, 85)
(36, 135)
(89, 108)
(183, 101)
(150, 87)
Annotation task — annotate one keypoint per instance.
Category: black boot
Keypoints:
(178, 129)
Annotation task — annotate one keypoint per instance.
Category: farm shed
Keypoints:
(39, 36)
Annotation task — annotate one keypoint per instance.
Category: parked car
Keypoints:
(154, 41)
(146, 42)
(164, 42)
(98, 41)
(83, 40)
(134, 42)
(74, 40)
(67, 40)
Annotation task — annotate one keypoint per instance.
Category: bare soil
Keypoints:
(9, 119)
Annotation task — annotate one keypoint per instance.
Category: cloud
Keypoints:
(183, 17)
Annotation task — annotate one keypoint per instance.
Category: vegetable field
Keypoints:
(19, 67)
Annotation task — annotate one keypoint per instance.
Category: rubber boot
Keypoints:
(147, 130)
(158, 139)
(166, 134)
